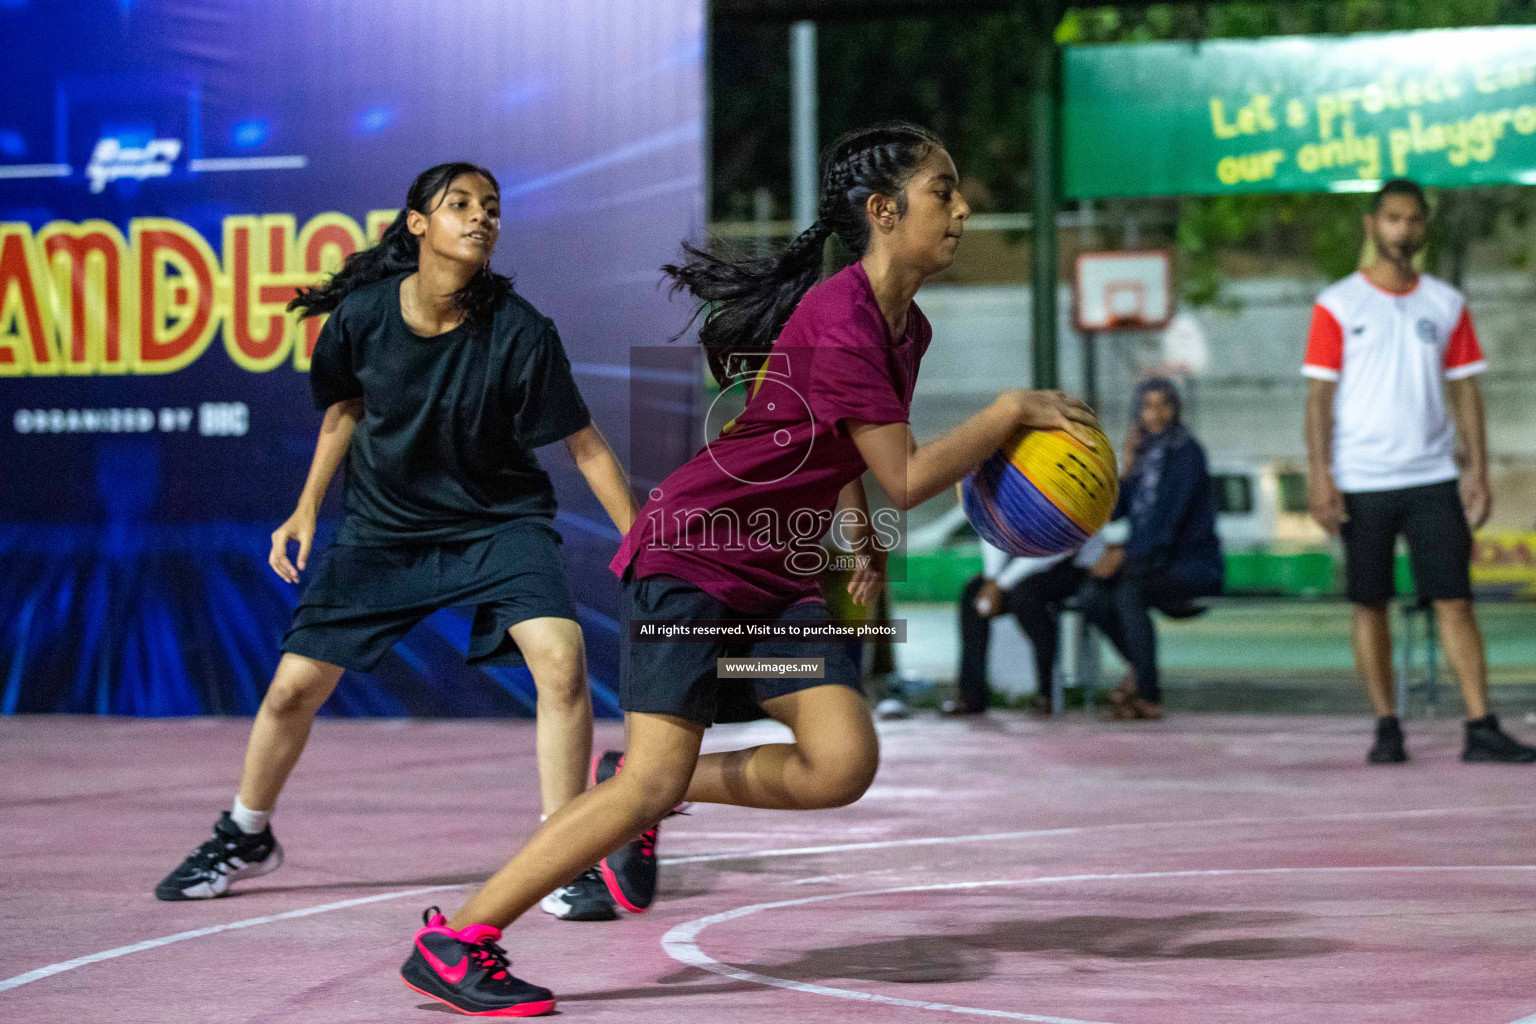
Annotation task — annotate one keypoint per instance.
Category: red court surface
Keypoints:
(1203, 869)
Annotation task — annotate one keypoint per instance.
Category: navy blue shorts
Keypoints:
(359, 600)
(678, 677)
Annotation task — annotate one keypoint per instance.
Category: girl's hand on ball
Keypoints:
(1055, 410)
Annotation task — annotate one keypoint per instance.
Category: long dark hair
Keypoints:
(746, 302)
(398, 251)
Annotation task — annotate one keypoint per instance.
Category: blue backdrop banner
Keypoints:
(169, 172)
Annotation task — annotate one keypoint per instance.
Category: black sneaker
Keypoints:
(230, 856)
(585, 899)
(1388, 748)
(630, 871)
(470, 972)
(1486, 742)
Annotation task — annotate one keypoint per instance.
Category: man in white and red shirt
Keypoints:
(1392, 361)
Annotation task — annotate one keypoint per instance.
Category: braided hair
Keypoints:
(746, 302)
(398, 251)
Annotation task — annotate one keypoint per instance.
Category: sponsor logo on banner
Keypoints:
(83, 298)
(111, 160)
(1504, 561)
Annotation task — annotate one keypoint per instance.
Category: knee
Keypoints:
(653, 791)
(559, 671)
(298, 693)
(842, 786)
(968, 594)
(838, 780)
(1370, 612)
(1095, 605)
(1128, 598)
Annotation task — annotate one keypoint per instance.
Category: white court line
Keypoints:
(1073, 830)
(681, 945)
(147, 944)
(166, 940)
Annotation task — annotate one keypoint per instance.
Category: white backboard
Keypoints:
(1123, 290)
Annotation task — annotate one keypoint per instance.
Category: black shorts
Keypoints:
(1432, 519)
(677, 677)
(359, 600)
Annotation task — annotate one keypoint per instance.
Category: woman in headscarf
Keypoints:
(1170, 555)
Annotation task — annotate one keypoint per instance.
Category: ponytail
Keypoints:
(398, 252)
(749, 300)
(745, 303)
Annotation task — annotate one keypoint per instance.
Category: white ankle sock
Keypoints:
(250, 822)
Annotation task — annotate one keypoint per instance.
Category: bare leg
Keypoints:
(556, 656)
(299, 686)
(1463, 643)
(1372, 635)
(830, 764)
(657, 766)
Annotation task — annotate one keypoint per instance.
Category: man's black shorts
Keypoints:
(678, 678)
(1432, 519)
(359, 600)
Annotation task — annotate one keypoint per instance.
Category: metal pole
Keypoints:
(802, 121)
(1044, 110)
(1091, 368)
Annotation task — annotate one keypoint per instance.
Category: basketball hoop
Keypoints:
(1120, 291)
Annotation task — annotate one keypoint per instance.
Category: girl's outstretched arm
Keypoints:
(330, 448)
(912, 473)
(604, 475)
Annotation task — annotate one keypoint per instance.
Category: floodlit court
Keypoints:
(1078, 456)
(1209, 868)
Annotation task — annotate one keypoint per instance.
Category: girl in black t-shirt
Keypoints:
(437, 383)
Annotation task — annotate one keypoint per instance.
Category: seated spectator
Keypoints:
(1170, 555)
(1031, 590)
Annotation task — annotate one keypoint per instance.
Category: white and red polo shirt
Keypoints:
(1390, 354)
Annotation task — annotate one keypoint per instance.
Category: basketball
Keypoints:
(1042, 492)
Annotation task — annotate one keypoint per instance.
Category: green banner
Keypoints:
(1300, 113)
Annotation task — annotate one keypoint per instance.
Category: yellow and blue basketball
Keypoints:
(1042, 492)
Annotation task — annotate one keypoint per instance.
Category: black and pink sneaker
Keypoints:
(468, 971)
(630, 871)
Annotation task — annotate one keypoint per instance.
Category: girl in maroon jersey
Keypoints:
(735, 534)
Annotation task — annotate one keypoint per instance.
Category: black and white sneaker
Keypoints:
(1487, 743)
(230, 856)
(585, 899)
(630, 871)
(1388, 748)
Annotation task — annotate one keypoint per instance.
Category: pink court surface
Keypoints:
(1202, 869)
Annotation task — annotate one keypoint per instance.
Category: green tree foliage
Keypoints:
(969, 79)
(1323, 228)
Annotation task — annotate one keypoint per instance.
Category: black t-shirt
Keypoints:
(444, 451)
